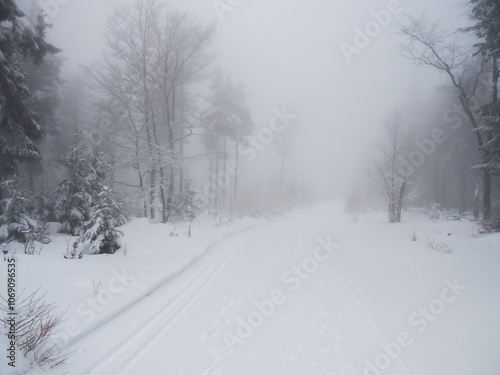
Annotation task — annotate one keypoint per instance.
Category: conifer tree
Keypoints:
(72, 197)
(20, 126)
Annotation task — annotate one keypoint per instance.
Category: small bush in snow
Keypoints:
(72, 251)
(439, 213)
(414, 235)
(36, 324)
(433, 245)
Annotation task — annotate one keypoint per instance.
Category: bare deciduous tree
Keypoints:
(430, 45)
(387, 174)
(152, 55)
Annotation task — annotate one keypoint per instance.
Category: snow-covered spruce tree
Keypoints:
(19, 125)
(72, 197)
(85, 205)
(15, 221)
(485, 15)
(44, 82)
(100, 234)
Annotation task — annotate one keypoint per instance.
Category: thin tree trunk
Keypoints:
(235, 188)
(211, 183)
(463, 190)
(171, 184)
(216, 182)
(224, 176)
(181, 168)
(476, 202)
(399, 209)
(392, 210)
(487, 156)
(1, 198)
(148, 136)
(487, 196)
(139, 174)
(181, 142)
(170, 199)
(152, 174)
(161, 185)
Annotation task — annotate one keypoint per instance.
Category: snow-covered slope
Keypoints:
(314, 293)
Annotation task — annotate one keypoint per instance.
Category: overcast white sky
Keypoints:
(287, 52)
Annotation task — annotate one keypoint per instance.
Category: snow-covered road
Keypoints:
(311, 294)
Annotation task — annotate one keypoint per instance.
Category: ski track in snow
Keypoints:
(115, 346)
(142, 350)
(178, 327)
(126, 355)
(129, 343)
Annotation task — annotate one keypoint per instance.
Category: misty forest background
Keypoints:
(153, 129)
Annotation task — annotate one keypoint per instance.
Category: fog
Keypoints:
(250, 187)
(288, 54)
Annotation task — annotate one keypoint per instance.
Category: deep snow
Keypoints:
(317, 292)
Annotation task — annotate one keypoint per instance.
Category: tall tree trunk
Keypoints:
(162, 183)
(392, 195)
(476, 202)
(211, 183)
(487, 156)
(1, 197)
(181, 168)
(463, 189)
(437, 197)
(152, 184)
(465, 102)
(392, 210)
(224, 176)
(487, 196)
(147, 112)
(181, 142)
(235, 187)
(216, 182)
(399, 208)
(171, 187)
(137, 167)
(171, 149)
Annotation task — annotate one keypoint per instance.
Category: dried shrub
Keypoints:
(36, 325)
(432, 244)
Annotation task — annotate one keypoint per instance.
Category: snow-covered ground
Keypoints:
(317, 292)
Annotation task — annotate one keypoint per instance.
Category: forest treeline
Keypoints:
(441, 151)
